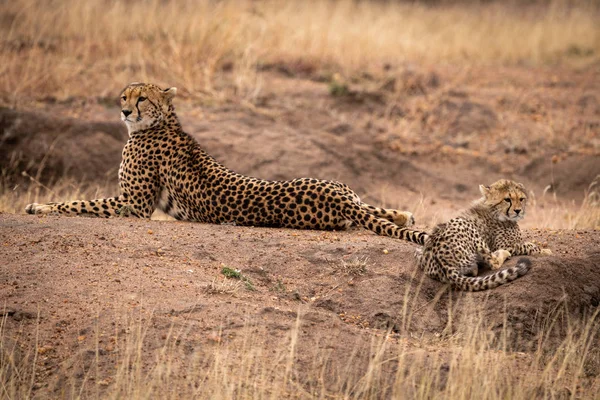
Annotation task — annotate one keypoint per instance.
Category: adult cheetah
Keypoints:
(165, 168)
(485, 234)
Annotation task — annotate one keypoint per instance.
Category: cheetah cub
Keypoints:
(487, 233)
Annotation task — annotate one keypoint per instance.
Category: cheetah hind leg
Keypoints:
(470, 269)
(400, 218)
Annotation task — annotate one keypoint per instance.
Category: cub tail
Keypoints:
(474, 284)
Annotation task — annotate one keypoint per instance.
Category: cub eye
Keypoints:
(141, 98)
(522, 199)
(507, 199)
(123, 98)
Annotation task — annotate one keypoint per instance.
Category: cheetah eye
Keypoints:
(141, 98)
(123, 98)
(522, 199)
(507, 199)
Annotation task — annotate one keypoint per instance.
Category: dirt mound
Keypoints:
(461, 116)
(48, 147)
(89, 279)
(570, 176)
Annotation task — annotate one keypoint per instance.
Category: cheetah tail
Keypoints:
(418, 237)
(382, 226)
(474, 284)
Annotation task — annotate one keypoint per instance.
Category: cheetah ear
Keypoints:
(484, 190)
(169, 93)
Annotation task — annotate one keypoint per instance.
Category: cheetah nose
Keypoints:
(517, 211)
(126, 112)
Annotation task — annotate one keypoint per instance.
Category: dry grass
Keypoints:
(69, 48)
(356, 266)
(549, 212)
(471, 362)
(224, 286)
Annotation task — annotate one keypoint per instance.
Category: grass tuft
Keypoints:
(356, 266)
(237, 274)
(473, 360)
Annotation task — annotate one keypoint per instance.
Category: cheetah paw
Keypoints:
(546, 252)
(404, 219)
(498, 258)
(35, 208)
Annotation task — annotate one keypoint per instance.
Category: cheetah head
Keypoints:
(144, 105)
(507, 199)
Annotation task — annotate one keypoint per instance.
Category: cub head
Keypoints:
(144, 105)
(507, 199)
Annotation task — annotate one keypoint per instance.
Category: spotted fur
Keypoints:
(165, 168)
(485, 234)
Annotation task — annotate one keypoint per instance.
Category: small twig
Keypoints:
(34, 180)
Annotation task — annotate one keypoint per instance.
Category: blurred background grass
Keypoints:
(57, 49)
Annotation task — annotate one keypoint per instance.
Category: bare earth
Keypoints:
(78, 286)
(77, 280)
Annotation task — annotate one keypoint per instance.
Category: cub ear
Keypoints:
(169, 93)
(484, 190)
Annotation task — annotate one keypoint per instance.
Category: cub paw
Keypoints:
(546, 252)
(498, 258)
(404, 219)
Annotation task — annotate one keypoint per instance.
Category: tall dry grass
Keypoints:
(551, 212)
(470, 360)
(62, 48)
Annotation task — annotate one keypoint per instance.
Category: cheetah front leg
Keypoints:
(528, 249)
(138, 204)
(103, 208)
(511, 241)
(138, 198)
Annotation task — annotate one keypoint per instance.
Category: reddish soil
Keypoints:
(78, 282)
(68, 279)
